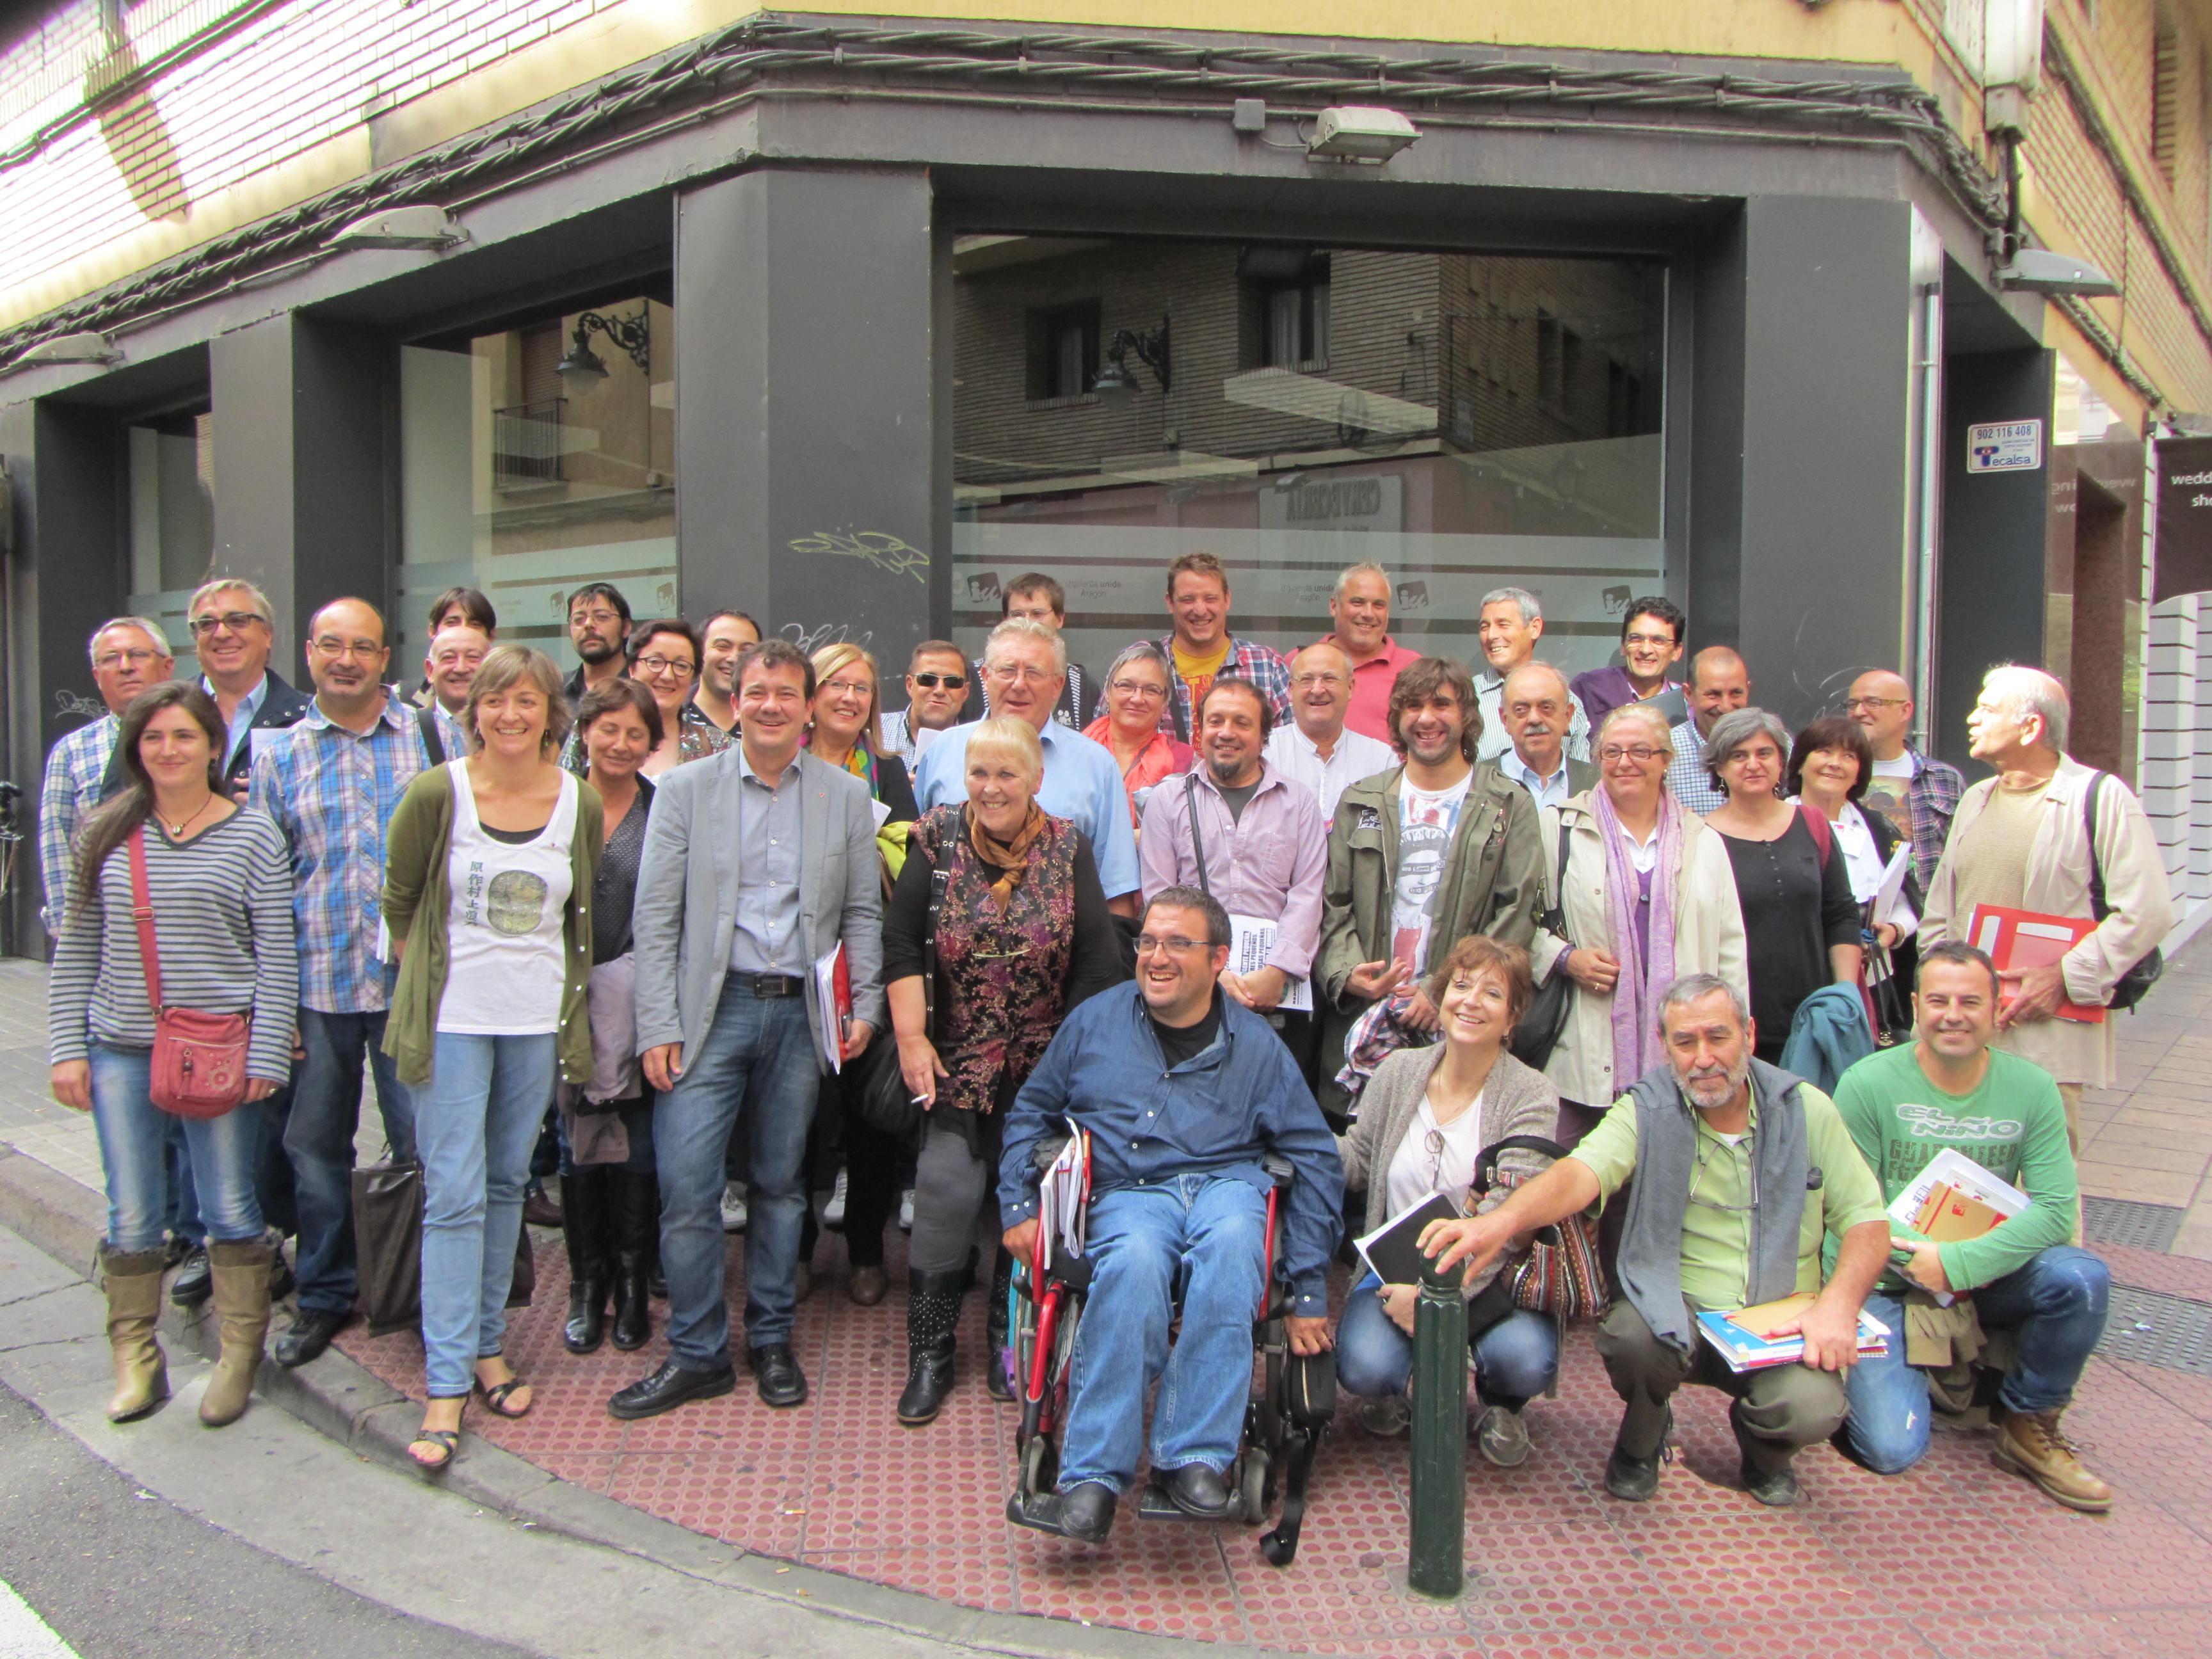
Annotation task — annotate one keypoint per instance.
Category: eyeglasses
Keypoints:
(236, 621)
(1640, 752)
(931, 682)
(1665, 639)
(1148, 943)
(337, 647)
(599, 616)
(1697, 1173)
(135, 659)
(672, 665)
(1023, 672)
(848, 688)
(1433, 1143)
(1307, 682)
(1873, 702)
(1138, 689)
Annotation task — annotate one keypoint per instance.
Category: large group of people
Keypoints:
(1214, 907)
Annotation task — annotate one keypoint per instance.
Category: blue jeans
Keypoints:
(755, 1069)
(134, 1140)
(318, 1136)
(1210, 1233)
(184, 1197)
(2056, 1304)
(1514, 1360)
(475, 1123)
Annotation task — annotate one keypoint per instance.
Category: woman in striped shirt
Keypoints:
(219, 881)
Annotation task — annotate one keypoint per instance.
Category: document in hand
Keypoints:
(830, 988)
(2014, 939)
(1889, 895)
(1743, 1339)
(1953, 1198)
(1391, 1252)
(1064, 1198)
(1251, 942)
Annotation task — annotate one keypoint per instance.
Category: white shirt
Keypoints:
(1643, 855)
(1426, 819)
(507, 951)
(1490, 694)
(1854, 836)
(1357, 755)
(1546, 792)
(1410, 1179)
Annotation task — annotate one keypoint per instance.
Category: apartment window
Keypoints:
(1063, 351)
(1286, 308)
(2165, 96)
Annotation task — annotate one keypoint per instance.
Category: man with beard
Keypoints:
(1743, 1171)
(1244, 834)
(1419, 857)
(599, 626)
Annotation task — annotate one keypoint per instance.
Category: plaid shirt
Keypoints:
(1247, 659)
(1687, 775)
(1933, 801)
(73, 773)
(333, 793)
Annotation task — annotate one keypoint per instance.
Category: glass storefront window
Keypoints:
(169, 465)
(536, 459)
(1468, 421)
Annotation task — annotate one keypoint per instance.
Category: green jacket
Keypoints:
(418, 900)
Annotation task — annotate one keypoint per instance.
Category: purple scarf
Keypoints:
(1635, 1047)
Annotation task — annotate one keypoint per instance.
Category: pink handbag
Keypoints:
(199, 1060)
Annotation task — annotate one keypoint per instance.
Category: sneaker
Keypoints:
(833, 1212)
(1502, 1437)
(2031, 1444)
(906, 1211)
(1387, 1417)
(733, 1207)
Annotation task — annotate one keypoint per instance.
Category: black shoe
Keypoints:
(1084, 1512)
(672, 1386)
(1776, 1488)
(636, 1227)
(587, 1228)
(928, 1380)
(282, 1279)
(997, 1377)
(311, 1332)
(1198, 1491)
(776, 1373)
(1632, 1479)
(933, 1314)
(195, 1279)
(175, 1247)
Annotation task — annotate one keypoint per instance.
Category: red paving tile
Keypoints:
(1555, 1568)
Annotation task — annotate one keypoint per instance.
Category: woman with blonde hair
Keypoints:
(486, 894)
(848, 728)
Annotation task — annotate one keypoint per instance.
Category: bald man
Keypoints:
(1919, 794)
(1719, 684)
(1315, 748)
(1537, 711)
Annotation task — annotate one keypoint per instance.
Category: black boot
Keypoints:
(586, 1199)
(932, 1313)
(996, 1377)
(637, 1225)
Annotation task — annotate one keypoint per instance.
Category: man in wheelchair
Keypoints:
(1183, 1091)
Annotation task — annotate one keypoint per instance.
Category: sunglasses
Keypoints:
(931, 682)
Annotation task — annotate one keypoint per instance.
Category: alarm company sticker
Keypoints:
(2004, 447)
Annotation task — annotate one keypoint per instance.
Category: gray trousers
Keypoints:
(1781, 1408)
(950, 1186)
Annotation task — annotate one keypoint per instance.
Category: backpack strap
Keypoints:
(1823, 832)
(426, 722)
(2098, 908)
(1197, 836)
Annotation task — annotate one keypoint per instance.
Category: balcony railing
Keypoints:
(527, 444)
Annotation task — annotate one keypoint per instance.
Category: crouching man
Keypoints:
(1950, 1089)
(1742, 1170)
(1183, 1091)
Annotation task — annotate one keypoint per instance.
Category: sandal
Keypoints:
(447, 1441)
(497, 1396)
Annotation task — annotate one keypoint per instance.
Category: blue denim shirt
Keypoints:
(1216, 1113)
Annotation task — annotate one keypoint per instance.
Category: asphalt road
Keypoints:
(116, 1572)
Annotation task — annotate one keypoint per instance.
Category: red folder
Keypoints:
(2014, 939)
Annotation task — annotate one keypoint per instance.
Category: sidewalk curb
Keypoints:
(340, 1398)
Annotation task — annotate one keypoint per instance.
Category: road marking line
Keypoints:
(23, 1634)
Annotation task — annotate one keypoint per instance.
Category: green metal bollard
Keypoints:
(1436, 1558)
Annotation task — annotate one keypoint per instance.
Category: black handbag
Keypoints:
(1536, 1033)
(886, 1104)
(2134, 985)
(387, 1232)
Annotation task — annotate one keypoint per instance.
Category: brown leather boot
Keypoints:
(2031, 1444)
(240, 1271)
(133, 1278)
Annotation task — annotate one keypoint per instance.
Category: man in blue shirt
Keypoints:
(1182, 1091)
(1025, 665)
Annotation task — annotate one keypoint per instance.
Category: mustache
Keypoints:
(1536, 729)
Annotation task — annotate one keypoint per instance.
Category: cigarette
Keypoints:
(923, 1100)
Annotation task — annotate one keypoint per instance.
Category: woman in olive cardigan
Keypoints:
(487, 896)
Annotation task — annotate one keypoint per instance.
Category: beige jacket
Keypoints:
(2058, 886)
(1708, 940)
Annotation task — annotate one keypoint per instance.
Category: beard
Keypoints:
(1709, 1092)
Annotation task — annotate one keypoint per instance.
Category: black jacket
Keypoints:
(281, 707)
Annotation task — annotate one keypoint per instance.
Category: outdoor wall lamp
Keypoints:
(2039, 271)
(1115, 383)
(79, 348)
(633, 335)
(421, 228)
(1359, 133)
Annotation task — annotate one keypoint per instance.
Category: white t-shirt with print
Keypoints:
(1426, 819)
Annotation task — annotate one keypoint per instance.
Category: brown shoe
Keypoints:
(2031, 1444)
(868, 1286)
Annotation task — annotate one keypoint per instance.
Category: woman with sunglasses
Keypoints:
(1424, 1118)
(663, 656)
(1138, 686)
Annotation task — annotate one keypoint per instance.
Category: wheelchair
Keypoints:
(1284, 1419)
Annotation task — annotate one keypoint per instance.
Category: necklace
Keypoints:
(176, 830)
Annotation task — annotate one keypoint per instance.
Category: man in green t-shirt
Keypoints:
(1951, 1089)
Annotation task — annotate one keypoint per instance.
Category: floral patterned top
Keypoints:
(1003, 979)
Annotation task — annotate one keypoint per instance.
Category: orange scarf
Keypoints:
(1010, 858)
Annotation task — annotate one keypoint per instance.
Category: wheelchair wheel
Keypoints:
(1253, 1484)
(1040, 1465)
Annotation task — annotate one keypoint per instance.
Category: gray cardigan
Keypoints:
(1516, 1101)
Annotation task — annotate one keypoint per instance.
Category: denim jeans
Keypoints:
(475, 1123)
(319, 1137)
(134, 1139)
(754, 1069)
(1514, 1360)
(184, 1208)
(1210, 1233)
(2055, 1303)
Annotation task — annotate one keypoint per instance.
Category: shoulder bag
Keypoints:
(1561, 1275)
(887, 1105)
(1536, 1033)
(199, 1059)
(2134, 985)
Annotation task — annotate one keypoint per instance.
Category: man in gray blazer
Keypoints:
(757, 863)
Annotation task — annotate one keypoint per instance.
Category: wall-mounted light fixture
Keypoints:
(632, 335)
(1115, 383)
(423, 228)
(1360, 132)
(79, 348)
(2039, 271)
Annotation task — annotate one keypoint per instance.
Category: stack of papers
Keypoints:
(1953, 1198)
(1251, 942)
(1064, 1198)
(1743, 1339)
(830, 987)
(2014, 939)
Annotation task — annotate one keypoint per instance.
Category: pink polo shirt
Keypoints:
(1371, 686)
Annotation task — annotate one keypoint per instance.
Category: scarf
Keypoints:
(860, 761)
(1011, 859)
(1635, 1047)
(1161, 759)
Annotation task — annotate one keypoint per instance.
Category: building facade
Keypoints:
(845, 318)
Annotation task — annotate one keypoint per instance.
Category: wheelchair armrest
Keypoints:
(1280, 1170)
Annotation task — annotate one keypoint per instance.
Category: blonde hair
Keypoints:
(831, 657)
(1012, 737)
(507, 665)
